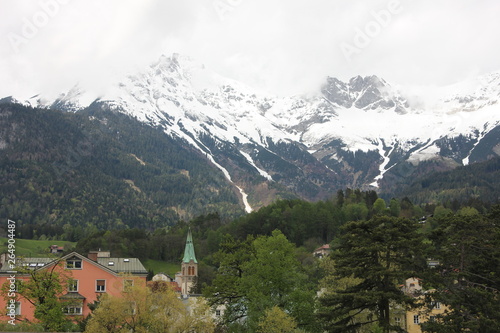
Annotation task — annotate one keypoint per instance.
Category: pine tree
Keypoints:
(468, 278)
(373, 259)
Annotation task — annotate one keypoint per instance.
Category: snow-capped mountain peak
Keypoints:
(348, 134)
(368, 93)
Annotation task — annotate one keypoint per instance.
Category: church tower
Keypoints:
(189, 267)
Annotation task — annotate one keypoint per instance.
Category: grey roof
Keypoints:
(31, 263)
(72, 295)
(123, 265)
(119, 265)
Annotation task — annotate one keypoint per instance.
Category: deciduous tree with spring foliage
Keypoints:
(151, 309)
(42, 288)
(256, 275)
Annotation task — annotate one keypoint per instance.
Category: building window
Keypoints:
(73, 264)
(436, 305)
(73, 309)
(416, 319)
(16, 311)
(128, 284)
(100, 286)
(18, 308)
(73, 286)
(217, 313)
(397, 321)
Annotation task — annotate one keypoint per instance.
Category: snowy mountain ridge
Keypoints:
(348, 134)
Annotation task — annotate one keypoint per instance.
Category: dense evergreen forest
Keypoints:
(305, 224)
(476, 181)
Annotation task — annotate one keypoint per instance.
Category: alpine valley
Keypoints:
(258, 147)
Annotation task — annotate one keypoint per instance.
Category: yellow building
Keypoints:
(415, 317)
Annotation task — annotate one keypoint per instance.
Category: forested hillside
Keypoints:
(66, 174)
(478, 181)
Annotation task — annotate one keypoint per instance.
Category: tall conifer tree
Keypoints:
(374, 257)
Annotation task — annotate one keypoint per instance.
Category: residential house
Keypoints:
(88, 278)
(425, 312)
(163, 278)
(56, 249)
(322, 251)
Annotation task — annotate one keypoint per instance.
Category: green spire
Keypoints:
(189, 250)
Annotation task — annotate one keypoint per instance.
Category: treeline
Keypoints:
(305, 224)
(302, 222)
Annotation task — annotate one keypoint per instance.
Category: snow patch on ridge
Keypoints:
(387, 159)
(465, 161)
(244, 196)
(426, 153)
(252, 163)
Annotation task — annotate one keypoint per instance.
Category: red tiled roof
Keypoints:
(324, 247)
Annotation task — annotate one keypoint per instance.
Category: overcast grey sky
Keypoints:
(286, 46)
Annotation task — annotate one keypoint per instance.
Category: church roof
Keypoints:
(189, 250)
